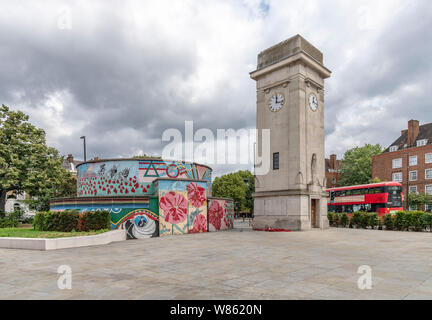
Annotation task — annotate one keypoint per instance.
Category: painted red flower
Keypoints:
(200, 224)
(215, 214)
(196, 194)
(175, 207)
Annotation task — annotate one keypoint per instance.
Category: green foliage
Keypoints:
(343, 219)
(372, 219)
(356, 219)
(17, 214)
(402, 221)
(31, 233)
(418, 199)
(375, 180)
(233, 186)
(389, 221)
(95, 220)
(72, 220)
(28, 220)
(356, 166)
(415, 220)
(28, 164)
(330, 217)
(8, 223)
(427, 220)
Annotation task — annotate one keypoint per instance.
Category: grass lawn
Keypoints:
(31, 233)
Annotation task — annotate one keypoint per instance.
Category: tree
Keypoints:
(356, 166)
(238, 186)
(27, 164)
(375, 180)
(416, 200)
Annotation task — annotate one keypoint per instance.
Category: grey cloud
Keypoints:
(123, 85)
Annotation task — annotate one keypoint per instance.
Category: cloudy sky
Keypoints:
(121, 72)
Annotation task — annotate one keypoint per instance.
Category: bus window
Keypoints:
(348, 192)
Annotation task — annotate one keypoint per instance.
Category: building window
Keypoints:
(428, 158)
(413, 160)
(397, 163)
(334, 180)
(413, 175)
(428, 189)
(421, 143)
(413, 189)
(428, 174)
(428, 207)
(393, 148)
(397, 177)
(276, 161)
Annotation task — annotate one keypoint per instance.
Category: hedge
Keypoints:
(8, 223)
(71, 220)
(401, 220)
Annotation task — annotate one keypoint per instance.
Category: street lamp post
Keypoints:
(84, 138)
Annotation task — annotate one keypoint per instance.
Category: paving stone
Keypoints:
(230, 265)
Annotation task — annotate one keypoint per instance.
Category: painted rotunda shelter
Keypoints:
(149, 197)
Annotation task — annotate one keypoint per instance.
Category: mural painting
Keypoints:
(139, 217)
(150, 197)
(133, 177)
(182, 207)
(220, 214)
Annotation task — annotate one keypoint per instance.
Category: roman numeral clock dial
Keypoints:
(313, 102)
(276, 102)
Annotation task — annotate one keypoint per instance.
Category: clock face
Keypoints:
(276, 102)
(313, 102)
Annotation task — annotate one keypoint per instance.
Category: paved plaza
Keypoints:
(238, 264)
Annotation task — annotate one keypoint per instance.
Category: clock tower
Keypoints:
(290, 102)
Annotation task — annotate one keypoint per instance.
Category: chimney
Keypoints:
(333, 161)
(403, 132)
(413, 131)
(70, 158)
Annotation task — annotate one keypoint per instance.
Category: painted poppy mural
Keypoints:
(220, 214)
(182, 207)
(149, 197)
(134, 176)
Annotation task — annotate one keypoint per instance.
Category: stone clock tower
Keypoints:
(290, 102)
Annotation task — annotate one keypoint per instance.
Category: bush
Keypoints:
(70, 220)
(95, 220)
(401, 222)
(343, 219)
(372, 219)
(389, 221)
(330, 218)
(415, 220)
(356, 219)
(63, 221)
(427, 220)
(28, 220)
(8, 223)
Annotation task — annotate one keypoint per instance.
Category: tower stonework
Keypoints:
(290, 102)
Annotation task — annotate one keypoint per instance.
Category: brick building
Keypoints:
(332, 171)
(408, 160)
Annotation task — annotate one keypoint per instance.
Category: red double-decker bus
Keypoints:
(383, 198)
